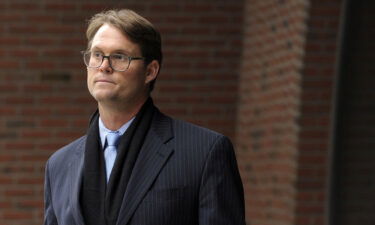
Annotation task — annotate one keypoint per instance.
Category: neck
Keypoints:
(114, 117)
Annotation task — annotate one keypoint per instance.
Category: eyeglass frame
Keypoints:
(130, 58)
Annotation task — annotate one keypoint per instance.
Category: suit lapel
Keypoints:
(75, 175)
(152, 157)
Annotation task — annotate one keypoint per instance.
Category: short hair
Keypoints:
(138, 29)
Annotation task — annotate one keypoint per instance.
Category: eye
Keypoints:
(119, 57)
(96, 55)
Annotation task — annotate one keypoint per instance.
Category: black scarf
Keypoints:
(101, 202)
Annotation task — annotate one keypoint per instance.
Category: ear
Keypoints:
(152, 71)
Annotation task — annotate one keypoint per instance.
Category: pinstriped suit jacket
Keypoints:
(184, 175)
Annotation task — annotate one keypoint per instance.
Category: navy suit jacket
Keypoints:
(184, 175)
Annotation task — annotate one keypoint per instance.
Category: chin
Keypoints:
(103, 95)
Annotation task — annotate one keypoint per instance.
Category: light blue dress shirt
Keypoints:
(103, 131)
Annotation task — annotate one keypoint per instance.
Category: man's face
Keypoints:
(107, 86)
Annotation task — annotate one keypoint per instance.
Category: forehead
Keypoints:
(110, 38)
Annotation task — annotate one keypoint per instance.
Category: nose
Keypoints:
(106, 66)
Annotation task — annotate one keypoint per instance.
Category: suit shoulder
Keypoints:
(195, 135)
(187, 135)
(193, 129)
(66, 151)
(165, 125)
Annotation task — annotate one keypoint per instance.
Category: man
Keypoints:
(135, 165)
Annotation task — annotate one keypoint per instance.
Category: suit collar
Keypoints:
(153, 156)
(151, 159)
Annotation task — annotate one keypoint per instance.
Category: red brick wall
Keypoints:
(259, 71)
(269, 103)
(285, 107)
(316, 112)
(199, 78)
(44, 102)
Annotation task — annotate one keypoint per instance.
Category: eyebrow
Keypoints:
(123, 51)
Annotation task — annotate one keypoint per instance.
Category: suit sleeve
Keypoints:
(49, 215)
(221, 197)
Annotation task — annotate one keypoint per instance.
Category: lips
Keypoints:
(103, 81)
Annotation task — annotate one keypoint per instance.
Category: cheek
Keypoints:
(140, 76)
(89, 79)
(133, 79)
(90, 74)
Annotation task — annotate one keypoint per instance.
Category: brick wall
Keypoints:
(202, 50)
(269, 101)
(316, 110)
(260, 71)
(284, 131)
(44, 102)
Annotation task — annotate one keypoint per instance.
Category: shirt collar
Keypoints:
(103, 131)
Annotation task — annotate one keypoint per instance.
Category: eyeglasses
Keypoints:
(118, 62)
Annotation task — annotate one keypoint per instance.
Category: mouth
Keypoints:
(104, 81)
